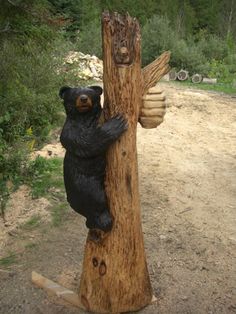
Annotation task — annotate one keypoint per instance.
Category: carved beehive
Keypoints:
(153, 109)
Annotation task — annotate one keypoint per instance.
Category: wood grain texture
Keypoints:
(115, 277)
(154, 71)
(153, 104)
(153, 112)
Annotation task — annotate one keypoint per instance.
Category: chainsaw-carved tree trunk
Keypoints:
(115, 277)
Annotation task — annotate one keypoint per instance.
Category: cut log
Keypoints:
(182, 75)
(115, 277)
(172, 75)
(196, 78)
(55, 289)
(209, 80)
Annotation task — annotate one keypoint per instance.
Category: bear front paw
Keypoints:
(116, 126)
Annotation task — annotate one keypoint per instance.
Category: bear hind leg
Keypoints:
(102, 221)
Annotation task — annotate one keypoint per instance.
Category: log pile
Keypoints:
(183, 75)
(84, 66)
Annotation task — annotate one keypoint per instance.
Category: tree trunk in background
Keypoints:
(230, 18)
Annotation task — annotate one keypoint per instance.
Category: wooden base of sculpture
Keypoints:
(62, 293)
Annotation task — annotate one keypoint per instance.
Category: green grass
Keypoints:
(32, 223)
(47, 174)
(8, 260)
(58, 213)
(226, 88)
(44, 174)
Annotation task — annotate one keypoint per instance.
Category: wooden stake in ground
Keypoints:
(115, 277)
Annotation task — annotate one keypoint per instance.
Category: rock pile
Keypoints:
(84, 66)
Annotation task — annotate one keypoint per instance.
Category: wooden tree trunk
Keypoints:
(115, 277)
(173, 75)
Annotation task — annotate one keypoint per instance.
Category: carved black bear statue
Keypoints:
(86, 143)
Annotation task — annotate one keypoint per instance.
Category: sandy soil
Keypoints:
(187, 169)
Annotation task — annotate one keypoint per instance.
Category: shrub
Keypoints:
(186, 55)
(221, 71)
(90, 39)
(29, 104)
(213, 47)
(157, 36)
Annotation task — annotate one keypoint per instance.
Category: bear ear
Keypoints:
(63, 90)
(97, 89)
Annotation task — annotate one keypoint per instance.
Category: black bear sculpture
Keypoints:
(86, 143)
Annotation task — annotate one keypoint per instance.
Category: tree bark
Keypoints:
(115, 278)
(154, 71)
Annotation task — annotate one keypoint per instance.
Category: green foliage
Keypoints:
(227, 88)
(212, 47)
(58, 214)
(31, 52)
(28, 90)
(90, 39)
(220, 70)
(187, 55)
(204, 53)
(157, 36)
(43, 174)
(207, 14)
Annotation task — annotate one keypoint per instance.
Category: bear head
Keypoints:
(81, 100)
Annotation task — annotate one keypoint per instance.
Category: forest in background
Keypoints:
(36, 35)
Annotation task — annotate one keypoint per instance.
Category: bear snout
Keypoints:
(84, 103)
(84, 98)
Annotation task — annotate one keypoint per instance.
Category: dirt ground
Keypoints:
(187, 170)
